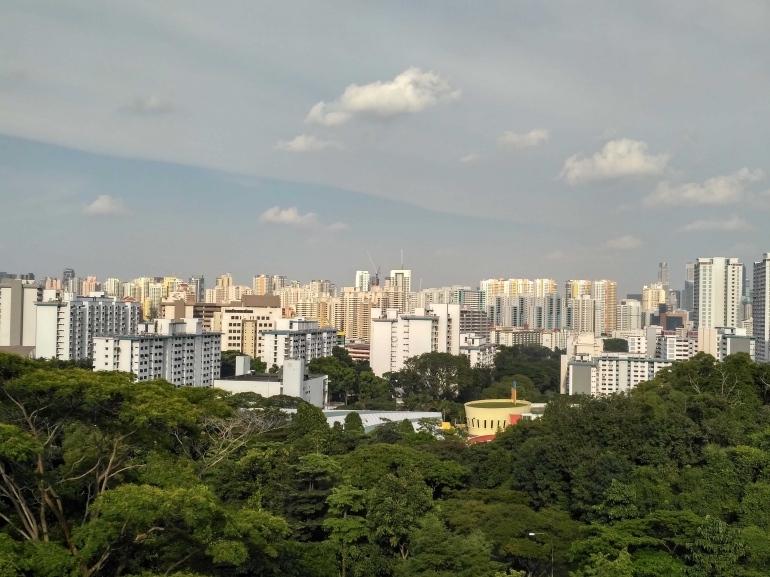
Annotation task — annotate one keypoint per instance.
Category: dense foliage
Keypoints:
(103, 476)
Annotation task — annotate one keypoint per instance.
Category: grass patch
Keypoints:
(496, 405)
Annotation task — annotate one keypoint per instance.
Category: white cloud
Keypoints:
(411, 91)
(617, 158)
(717, 190)
(292, 217)
(470, 158)
(733, 224)
(154, 104)
(533, 138)
(105, 205)
(308, 143)
(289, 217)
(336, 226)
(627, 242)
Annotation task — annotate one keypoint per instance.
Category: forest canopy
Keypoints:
(103, 476)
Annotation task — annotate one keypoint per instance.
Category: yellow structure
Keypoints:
(485, 417)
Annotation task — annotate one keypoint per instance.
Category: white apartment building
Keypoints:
(478, 349)
(397, 337)
(297, 339)
(527, 311)
(363, 280)
(113, 287)
(671, 346)
(18, 313)
(66, 330)
(401, 280)
(717, 292)
(607, 373)
(629, 315)
(760, 307)
(580, 315)
(177, 351)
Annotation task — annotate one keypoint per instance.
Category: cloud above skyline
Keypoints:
(308, 143)
(292, 217)
(733, 224)
(151, 105)
(533, 138)
(105, 205)
(411, 91)
(618, 158)
(627, 242)
(717, 190)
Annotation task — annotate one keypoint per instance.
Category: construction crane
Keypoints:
(376, 281)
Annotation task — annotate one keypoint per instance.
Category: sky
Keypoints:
(484, 139)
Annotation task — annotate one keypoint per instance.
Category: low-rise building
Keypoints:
(478, 349)
(292, 380)
(177, 351)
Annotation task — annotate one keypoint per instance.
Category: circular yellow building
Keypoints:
(485, 417)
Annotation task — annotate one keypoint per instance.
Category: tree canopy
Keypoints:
(104, 476)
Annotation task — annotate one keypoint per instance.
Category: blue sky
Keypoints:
(500, 139)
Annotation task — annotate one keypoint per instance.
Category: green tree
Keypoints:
(601, 566)
(615, 346)
(716, 550)
(437, 551)
(342, 377)
(353, 424)
(346, 523)
(395, 505)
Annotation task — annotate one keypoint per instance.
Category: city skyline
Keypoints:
(591, 142)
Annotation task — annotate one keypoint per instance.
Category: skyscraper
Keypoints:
(401, 280)
(689, 280)
(663, 277)
(198, 288)
(576, 288)
(761, 308)
(718, 282)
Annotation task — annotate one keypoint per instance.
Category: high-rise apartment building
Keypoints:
(66, 330)
(545, 286)
(279, 282)
(113, 287)
(760, 307)
(580, 315)
(89, 285)
(67, 275)
(296, 339)
(717, 292)
(576, 288)
(18, 313)
(263, 284)
(605, 295)
(177, 351)
(652, 296)
(401, 280)
(629, 315)
(363, 280)
(225, 280)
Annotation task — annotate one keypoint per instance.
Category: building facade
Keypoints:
(177, 351)
(717, 288)
(66, 330)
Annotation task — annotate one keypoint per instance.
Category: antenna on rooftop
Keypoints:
(402, 259)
